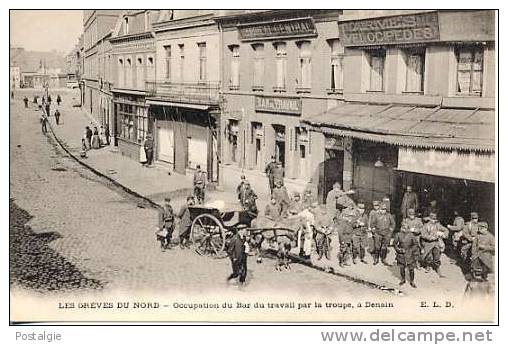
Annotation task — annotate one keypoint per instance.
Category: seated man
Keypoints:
(295, 205)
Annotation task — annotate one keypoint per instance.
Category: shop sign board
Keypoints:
(467, 165)
(413, 28)
(285, 105)
(296, 27)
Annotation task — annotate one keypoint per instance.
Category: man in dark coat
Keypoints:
(89, 134)
(25, 100)
(409, 200)
(240, 189)
(185, 222)
(49, 99)
(199, 182)
(414, 225)
(345, 232)
(482, 253)
(269, 169)
(58, 99)
(360, 234)
(382, 225)
(57, 117)
(432, 237)
(236, 250)
(407, 248)
(47, 109)
(148, 146)
(166, 224)
(250, 209)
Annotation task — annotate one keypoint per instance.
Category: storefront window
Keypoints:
(469, 70)
(337, 65)
(377, 64)
(234, 82)
(415, 71)
(281, 65)
(259, 66)
(142, 125)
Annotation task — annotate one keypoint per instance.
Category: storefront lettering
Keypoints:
(401, 29)
(278, 105)
(282, 28)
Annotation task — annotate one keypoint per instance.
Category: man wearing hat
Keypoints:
(166, 224)
(250, 209)
(382, 225)
(199, 182)
(414, 225)
(375, 210)
(269, 170)
(185, 222)
(469, 233)
(240, 189)
(432, 237)
(345, 232)
(148, 146)
(360, 233)
(409, 201)
(456, 228)
(407, 247)
(280, 193)
(482, 252)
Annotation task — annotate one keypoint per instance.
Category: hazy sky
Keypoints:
(44, 30)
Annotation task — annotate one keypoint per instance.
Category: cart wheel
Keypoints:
(208, 237)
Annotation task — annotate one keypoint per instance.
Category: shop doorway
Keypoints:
(280, 144)
(257, 158)
(165, 142)
(333, 166)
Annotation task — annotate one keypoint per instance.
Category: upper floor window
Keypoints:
(121, 71)
(234, 81)
(415, 70)
(150, 70)
(281, 66)
(304, 84)
(336, 65)
(167, 50)
(182, 61)
(469, 70)
(140, 77)
(377, 67)
(259, 66)
(202, 61)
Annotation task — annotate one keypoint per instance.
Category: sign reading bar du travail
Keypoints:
(284, 105)
(413, 28)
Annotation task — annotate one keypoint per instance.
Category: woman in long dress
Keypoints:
(102, 136)
(96, 144)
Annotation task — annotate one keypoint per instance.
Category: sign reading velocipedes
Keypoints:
(412, 28)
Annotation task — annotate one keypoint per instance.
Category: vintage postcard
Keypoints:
(253, 166)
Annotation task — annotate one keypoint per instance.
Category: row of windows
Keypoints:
(304, 79)
(180, 58)
(469, 68)
(134, 73)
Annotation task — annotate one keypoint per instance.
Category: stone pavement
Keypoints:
(155, 183)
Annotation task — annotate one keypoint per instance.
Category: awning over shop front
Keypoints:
(175, 104)
(437, 127)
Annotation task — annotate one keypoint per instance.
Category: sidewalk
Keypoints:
(155, 184)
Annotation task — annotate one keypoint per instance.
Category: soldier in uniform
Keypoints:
(469, 232)
(166, 224)
(482, 253)
(250, 209)
(240, 189)
(269, 169)
(375, 210)
(272, 210)
(414, 225)
(332, 198)
(185, 222)
(199, 182)
(280, 194)
(409, 200)
(456, 229)
(360, 234)
(407, 248)
(382, 225)
(432, 242)
(25, 100)
(322, 235)
(308, 198)
(237, 252)
(345, 232)
(278, 173)
(295, 205)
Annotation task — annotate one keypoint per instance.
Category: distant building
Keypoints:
(14, 77)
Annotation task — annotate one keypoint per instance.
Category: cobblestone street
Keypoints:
(105, 236)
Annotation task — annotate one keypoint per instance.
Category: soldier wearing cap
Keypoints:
(407, 247)
(360, 233)
(375, 209)
(280, 194)
(240, 189)
(166, 224)
(414, 225)
(345, 231)
(469, 233)
(432, 237)
(382, 225)
(456, 228)
(269, 170)
(482, 253)
(295, 205)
